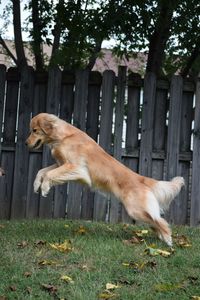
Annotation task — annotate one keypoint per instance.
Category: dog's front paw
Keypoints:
(45, 187)
(36, 185)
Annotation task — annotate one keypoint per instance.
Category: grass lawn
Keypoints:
(61, 259)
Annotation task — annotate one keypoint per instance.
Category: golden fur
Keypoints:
(2, 172)
(78, 157)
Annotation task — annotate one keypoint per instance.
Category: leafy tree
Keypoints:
(167, 30)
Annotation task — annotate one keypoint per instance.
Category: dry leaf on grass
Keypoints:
(22, 244)
(111, 286)
(12, 288)
(40, 243)
(195, 297)
(140, 266)
(50, 288)
(3, 298)
(63, 247)
(27, 274)
(152, 251)
(47, 262)
(182, 241)
(2, 226)
(67, 279)
(107, 295)
(81, 230)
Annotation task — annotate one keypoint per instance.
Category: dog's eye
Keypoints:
(34, 130)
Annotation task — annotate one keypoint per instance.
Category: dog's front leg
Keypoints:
(62, 174)
(40, 175)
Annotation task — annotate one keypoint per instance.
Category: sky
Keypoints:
(9, 34)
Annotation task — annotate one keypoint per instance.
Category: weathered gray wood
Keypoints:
(132, 131)
(67, 97)
(181, 203)
(9, 133)
(146, 145)
(173, 140)
(18, 209)
(52, 106)
(159, 132)
(195, 194)
(35, 157)
(79, 120)
(2, 95)
(92, 129)
(115, 208)
(101, 202)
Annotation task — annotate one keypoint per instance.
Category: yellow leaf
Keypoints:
(64, 247)
(81, 230)
(110, 286)
(46, 263)
(166, 287)
(182, 241)
(67, 279)
(154, 252)
(107, 295)
(141, 233)
(196, 297)
(66, 226)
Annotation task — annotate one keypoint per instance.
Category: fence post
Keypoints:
(52, 105)
(173, 140)
(18, 209)
(100, 202)
(132, 131)
(145, 161)
(35, 157)
(195, 194)
(79, 120)
(92, 129)
(117, 150)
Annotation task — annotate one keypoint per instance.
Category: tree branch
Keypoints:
(2, 42)
(194, 55)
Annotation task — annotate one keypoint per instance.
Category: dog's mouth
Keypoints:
(38, 144)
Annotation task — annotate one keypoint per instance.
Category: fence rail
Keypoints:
(152, 125)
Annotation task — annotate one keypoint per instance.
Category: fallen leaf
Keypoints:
(64, 247)
(13, 288)
(40, 243)
(133, 240)
(81, 230)
(22, 244)
(182, 241)
(2, 226)
(150, 250)
(66, 226)
(195, 297)
(107, 295)
(49, 287)
(3, 298)
(111, 286)
(46, 263)
(140, 233)
(140, 266)
(67, 279)
(27, 274)
(29, 290)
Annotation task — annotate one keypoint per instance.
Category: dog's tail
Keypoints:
(166, 191)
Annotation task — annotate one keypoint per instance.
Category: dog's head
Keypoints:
(42, 129)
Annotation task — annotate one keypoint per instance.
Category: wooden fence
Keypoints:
(152, 126)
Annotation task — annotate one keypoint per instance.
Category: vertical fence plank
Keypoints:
(159, 132)
(35, 157)
(132, 131)
(100, 202)
(18, 209)
(79, 118)
(92, 129)
(2, 95)
(195, 194)
(173, 140)
(146, 145)
(52, 106)
(184, 166)
(117, 149)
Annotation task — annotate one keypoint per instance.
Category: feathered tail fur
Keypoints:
(166, 191)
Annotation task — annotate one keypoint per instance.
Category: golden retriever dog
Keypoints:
(2, 172)
(79, 158)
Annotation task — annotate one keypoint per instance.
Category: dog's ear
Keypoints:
(46, 126)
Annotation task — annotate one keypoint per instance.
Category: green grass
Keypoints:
(98, 256)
